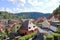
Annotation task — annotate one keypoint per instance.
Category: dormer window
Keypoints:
(29, 27)
(33, 26)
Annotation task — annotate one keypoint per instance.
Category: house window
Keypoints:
(34, 26)
(29, 27)
(17, 27)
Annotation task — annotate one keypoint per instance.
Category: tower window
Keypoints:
(34, 26)
(17, 27)
(29, 27)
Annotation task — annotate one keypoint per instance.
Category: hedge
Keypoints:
(56, 36)
(50, 37)
(58, 30)
(26, 37)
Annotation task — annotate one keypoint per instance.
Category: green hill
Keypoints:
(23, 15)
(6, 15)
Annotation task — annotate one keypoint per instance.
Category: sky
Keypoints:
(16, 6)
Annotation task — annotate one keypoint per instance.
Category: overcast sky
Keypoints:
(16, 6)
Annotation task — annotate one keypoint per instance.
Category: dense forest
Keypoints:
(6, 15)
(23, 15)
(57, 10)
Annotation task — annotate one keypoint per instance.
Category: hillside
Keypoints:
(33, 14)
(57, 10)
(6, 15)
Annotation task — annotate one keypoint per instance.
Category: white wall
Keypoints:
(45, 23)
(53, 19)
(31, 25)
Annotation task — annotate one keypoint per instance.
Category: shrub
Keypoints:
(58, 30)
(56, 36)
(50, 37)
(26, 37)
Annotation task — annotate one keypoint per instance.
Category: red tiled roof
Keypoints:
(40, 19)
(55, 16)
(14, 21)
(2, 29)
(50, 17)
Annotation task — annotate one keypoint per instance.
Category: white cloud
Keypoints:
(12, 1)
(52, 3)
(13, 10)
(23, 1)
(19, 2)
(16, 10)
(44, 6)
(30, 10)
(2, 9)
(35, 2)
(35, 6)
(5, 9)
(8, 9)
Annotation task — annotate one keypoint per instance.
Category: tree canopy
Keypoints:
(6, 15)
(57, 10)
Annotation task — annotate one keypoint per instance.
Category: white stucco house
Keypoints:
(46, 24)
(27, 27)
(55, 21)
